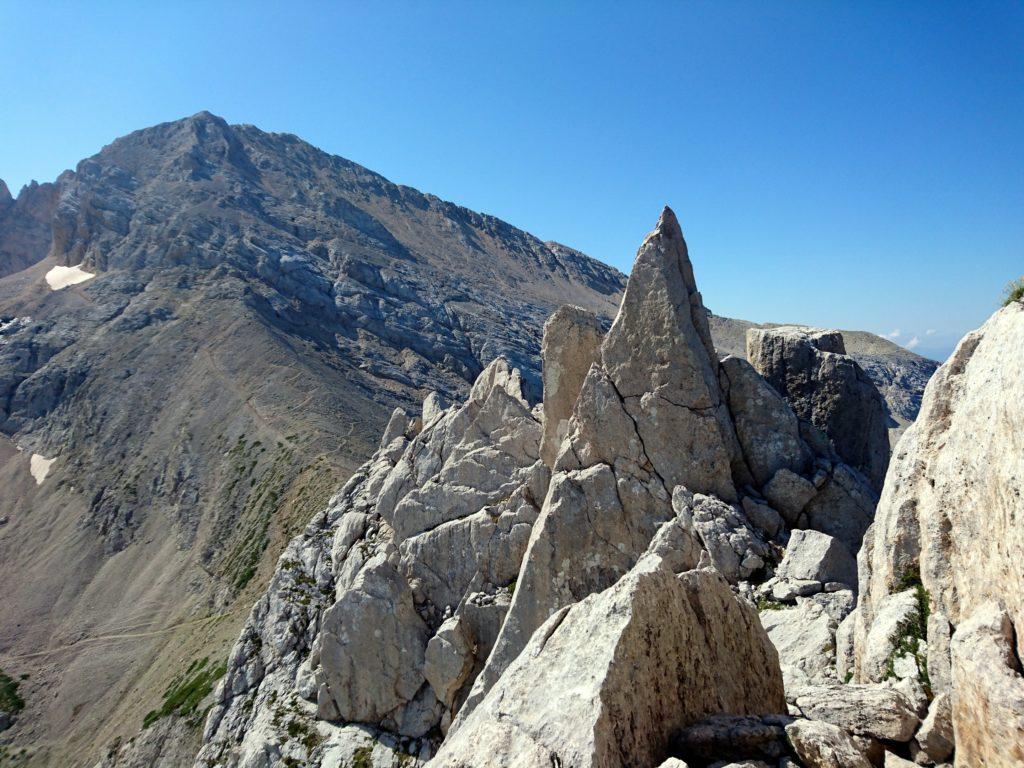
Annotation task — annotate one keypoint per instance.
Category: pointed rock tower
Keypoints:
(649, 417)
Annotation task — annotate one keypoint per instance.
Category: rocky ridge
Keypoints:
(258, 310)
(685, 492)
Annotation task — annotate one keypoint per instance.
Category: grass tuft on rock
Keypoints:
(1014, 291)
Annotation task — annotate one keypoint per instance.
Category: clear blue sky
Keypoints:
(857, 165)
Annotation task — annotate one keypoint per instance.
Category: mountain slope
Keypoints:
(259, 309)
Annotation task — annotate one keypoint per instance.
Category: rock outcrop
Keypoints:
(259, 309)
(572, 342)
(940, 575)
(399, 586)
(827, 388)
(25, 233)
(605, 681)
(255, 311)
(491, 574)
(899, 374)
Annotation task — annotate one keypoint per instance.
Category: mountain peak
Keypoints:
(668, 224)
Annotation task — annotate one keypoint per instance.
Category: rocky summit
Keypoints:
(303, 467)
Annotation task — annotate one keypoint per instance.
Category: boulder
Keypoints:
(733, 737)
(448, 659)
(816, 556)
(860, 709)
(657, 651)
(828, 388)
(371, 647)
(735, 549)
(572, 341)
(988, 691)
(824, 745)
(767, 429)
(789, 493)
(762, 516)
(804, 636)
(935, 736)
(843, 506)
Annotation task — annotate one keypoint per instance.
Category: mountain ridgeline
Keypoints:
(247, 313)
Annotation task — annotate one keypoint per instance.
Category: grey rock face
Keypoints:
(899, 374)
(767, 428)
(826, 387)
(572, 341)
(936, 733)
(414, 555)
(25, 233)
(861, 709)
(819, 557)
(945, 533)
(657, 648)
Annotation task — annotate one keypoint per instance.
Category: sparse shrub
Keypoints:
(363, 757)
(1014, 291)
(185, 694)
(765, 604)
(912, 631)
(10, 701)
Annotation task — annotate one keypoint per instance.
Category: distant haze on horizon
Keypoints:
(848, 166)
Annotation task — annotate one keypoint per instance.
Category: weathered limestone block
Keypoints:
(824, 386)
(572, 341)
(371, 648)
(823, 745)
(867, 710)
(767, 429)
(656, 651)
(818, 557)
(988, 691)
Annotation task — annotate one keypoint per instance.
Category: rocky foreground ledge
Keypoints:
(656, 568)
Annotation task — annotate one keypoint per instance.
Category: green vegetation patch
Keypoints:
(1014, 291)
(363, 757)
(767, 604)
(10, 701)
(186, 693)
(912, 632)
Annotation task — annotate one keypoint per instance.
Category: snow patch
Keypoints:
(62, 277)
(40, 467)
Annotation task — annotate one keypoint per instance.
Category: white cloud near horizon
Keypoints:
(894, 334)
(913, 342)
